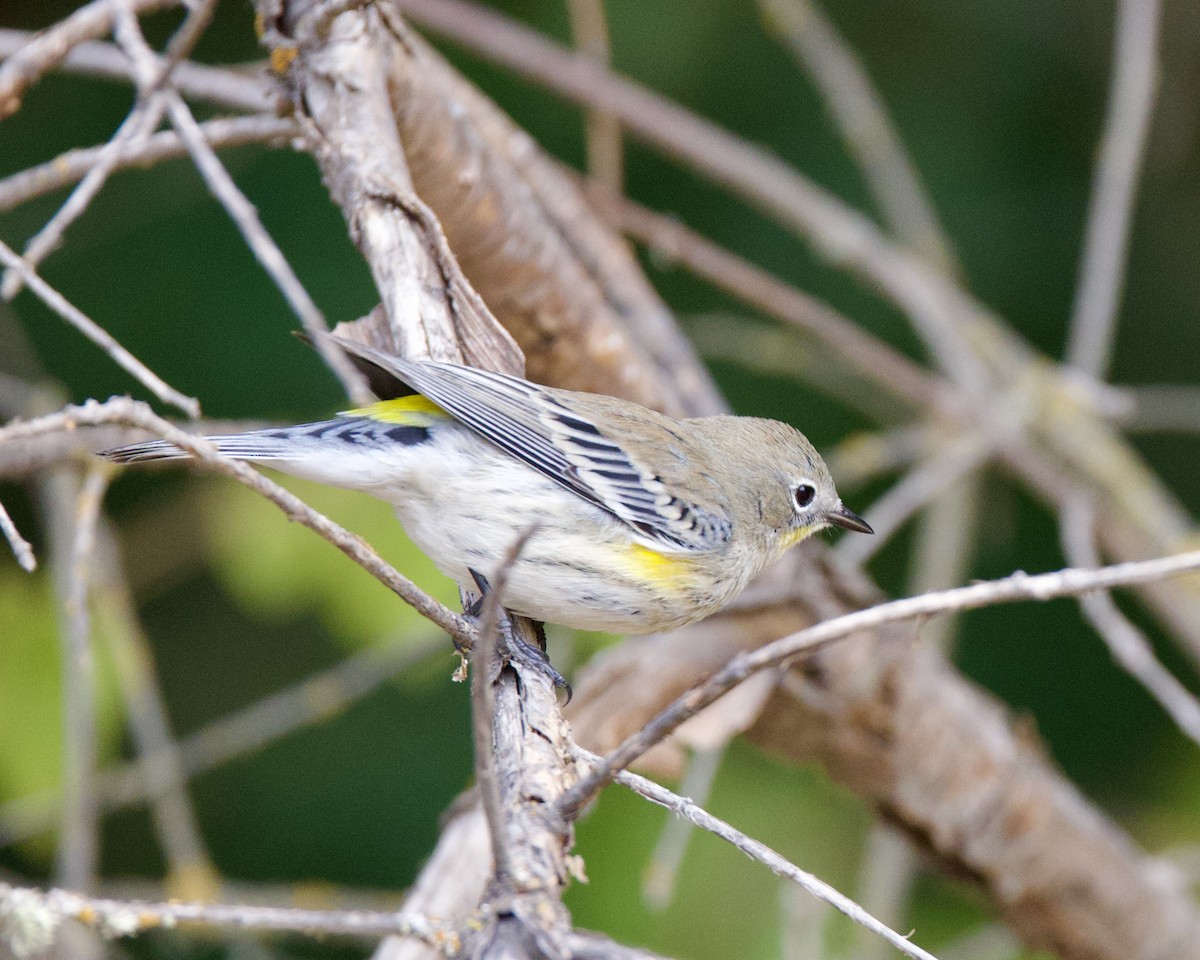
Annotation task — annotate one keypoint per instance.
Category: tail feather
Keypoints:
(258, 445)
(357, 452)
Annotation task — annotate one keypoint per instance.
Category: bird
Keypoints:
(641, 523)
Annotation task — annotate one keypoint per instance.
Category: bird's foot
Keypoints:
(513, 649)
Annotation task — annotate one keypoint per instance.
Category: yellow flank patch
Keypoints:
(412, 411)
(643, 563)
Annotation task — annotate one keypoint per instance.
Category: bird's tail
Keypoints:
(357, 452)
(280, 444)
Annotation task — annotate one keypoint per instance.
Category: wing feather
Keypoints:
(535, 426)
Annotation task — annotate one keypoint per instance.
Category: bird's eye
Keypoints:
(804, 495)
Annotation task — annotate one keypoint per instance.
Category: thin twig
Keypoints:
(859, 114)
(43, 51)
(1019, 586)
(20, 546)
(30, 918)
(760, 852)
(1127, 644)
(240, 210)
(130, 412)
(97, 334)
(1114, 186)
(69, 167)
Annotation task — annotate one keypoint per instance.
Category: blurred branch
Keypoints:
(191, 874)
(1128, 646)
(861, 118)
(73, 510)
(917, 490)
(871, 359)
(29, 919)
(19, 545)
(97, 334)
(240, 733)
(589, 30)
(1114, 186)
(69, 167)
(1160, 408)
(683, 807)
(841, 234)
(662, 872)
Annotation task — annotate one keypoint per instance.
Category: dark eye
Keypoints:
(804, 495)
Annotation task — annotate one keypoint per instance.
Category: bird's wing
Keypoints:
(533, 425)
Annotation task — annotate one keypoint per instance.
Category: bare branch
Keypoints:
(20, 546)
(1017, 587)
(97, 334)
(1128, 646)
(1114, 186)
(30, 918)
(483, 709)
(683, 807)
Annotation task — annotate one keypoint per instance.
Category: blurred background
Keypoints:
(1000, 105)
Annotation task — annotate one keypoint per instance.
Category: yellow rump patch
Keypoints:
(412, 411)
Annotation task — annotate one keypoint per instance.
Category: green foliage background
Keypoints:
(1000, 104)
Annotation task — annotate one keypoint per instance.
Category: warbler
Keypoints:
(643, 523)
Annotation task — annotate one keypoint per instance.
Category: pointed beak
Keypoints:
(841, 517)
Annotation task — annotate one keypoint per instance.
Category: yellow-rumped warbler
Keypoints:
(644, 523)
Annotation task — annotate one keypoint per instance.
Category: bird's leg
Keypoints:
(512, 648)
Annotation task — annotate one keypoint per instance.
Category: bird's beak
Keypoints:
(842, 517)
